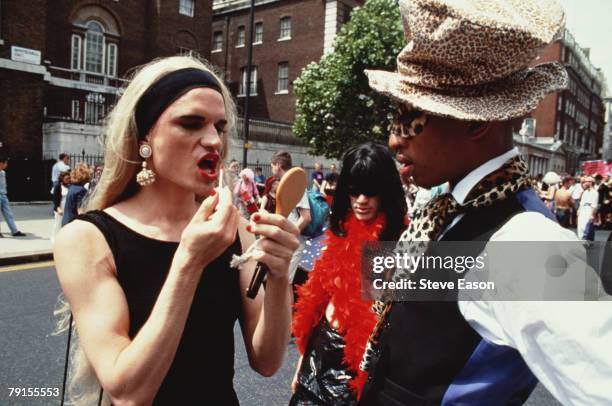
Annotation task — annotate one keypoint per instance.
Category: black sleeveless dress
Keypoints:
(203, 369)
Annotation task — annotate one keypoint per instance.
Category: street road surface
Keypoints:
(31, 357)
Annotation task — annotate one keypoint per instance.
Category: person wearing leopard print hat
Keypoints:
(462, 86)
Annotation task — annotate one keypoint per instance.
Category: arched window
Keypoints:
(94, 47)
(186, 43)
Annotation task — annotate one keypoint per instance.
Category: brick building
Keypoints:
(62, 64)
(61, 60)
(568, 126)
(60, 67)
(287, 36)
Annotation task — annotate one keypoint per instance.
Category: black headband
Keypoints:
(165, 91)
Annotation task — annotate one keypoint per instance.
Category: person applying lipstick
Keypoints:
(150, 288)
(331, 322)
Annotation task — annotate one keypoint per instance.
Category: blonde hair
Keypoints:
(117, 182)
(121, 159)
(80, 174)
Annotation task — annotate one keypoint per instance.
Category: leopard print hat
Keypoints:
(469, 59)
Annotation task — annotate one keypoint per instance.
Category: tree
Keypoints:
(336, 108)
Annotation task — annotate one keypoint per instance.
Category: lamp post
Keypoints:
(607, 132)
(245, 122)
(553, 148)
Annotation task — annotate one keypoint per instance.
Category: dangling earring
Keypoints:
(146, 176)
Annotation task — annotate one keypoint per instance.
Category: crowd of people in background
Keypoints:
(253, 191)
(581, 202)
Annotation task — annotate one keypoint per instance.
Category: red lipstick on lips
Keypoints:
(207, 166)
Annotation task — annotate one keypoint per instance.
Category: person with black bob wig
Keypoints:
(370, 169)
(332, 322)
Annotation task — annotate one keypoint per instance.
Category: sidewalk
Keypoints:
(36, 221)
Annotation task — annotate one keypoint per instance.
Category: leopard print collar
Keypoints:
(439, 212)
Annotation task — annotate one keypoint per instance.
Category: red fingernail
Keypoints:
(256, 217)
(214, 192)
(248, 228)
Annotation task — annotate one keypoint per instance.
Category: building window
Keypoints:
(111, 60)
(94, 47)
(240, 41)
(258, 33)
(94, 108)
(75, 59)
(283, 78)
(76, 110)
(217, 44)
(182, 51)
(243, 81)
(285, 28)
(344, 14)
(187, 7)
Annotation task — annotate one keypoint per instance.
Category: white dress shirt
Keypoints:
(465, 185)
(567, 345)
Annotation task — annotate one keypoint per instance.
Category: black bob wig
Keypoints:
(369, 169)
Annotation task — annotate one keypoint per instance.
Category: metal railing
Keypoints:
(87, 77)
(268, 131)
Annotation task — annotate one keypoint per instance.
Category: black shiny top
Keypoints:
(324, 378)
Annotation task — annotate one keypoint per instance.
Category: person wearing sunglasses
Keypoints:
(331, 322)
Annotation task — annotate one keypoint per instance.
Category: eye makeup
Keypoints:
(408, 122)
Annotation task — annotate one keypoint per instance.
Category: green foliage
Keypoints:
(336, 108)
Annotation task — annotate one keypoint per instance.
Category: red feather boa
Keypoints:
(336, 279)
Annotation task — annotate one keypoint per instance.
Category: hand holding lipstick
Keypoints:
(212, 229)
